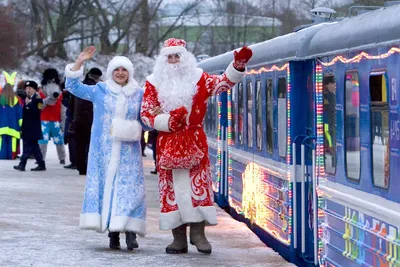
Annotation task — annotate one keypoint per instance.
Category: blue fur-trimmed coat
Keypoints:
(114, 197)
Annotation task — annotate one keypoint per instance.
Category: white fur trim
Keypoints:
(152, 80)
(126, 130)
(127, 224)
(233, 74)
(173, 219)
(90, 221)
(120, 112)
(172, 50)
(128, 89)
(198, 74)
(132, 85)
(186, 213)
(73, 74)
(161, 123)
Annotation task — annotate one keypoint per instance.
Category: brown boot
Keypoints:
(179, 245)
(198, 238)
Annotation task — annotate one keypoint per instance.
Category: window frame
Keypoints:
(325, 74)
(282, 77)
(269, 152)
(378, 72)
(352, 179)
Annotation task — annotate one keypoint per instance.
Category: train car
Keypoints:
(306, 147)
(357, 64)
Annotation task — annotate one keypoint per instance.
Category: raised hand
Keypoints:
(87, 54)
(242, 57)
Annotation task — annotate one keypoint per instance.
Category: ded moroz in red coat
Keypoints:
(185, 183)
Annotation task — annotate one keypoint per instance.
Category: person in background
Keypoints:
(52, 114)
(82, 122)
(31, 127)
(10, 123)
(69, 133)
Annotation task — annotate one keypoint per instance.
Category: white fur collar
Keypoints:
(127, 90)
(152, 79)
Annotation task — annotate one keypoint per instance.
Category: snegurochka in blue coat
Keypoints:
(114, 197)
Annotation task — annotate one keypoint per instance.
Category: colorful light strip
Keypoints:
(288, 145)
(219, 152)
(320, 165)
(273, 68)
(359, 57)
(230, 143)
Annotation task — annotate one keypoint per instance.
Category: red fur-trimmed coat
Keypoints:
(185, 182)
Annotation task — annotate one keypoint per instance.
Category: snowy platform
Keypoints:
(39, 216)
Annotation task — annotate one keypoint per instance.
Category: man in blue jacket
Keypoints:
(31, 127)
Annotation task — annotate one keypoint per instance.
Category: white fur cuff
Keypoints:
(73, 74)
(161, 123)
(126, 130)
(233, 74)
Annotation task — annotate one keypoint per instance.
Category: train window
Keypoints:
(259, 133)
(352, 125)
(282, 116)
(240, 113)
(379, 129)
(329, 119)
(249, 89)
(233, 114)
(270, 116)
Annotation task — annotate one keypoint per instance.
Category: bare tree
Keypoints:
(176, 24)
(13, 38)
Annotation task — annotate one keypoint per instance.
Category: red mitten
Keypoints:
(241, 58)
(177, 121)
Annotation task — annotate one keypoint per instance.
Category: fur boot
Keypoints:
(198, 237)
(179, 245)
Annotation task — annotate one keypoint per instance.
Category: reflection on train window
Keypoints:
(259, 134)
(208, 118)
(240, 114)
(379, 129)
(233, 114)
(352, 125)
(249, 89)
(270, 116)
(213, 116)
(282, 116)
(329, 117)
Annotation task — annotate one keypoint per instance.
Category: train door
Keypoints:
(305, 81)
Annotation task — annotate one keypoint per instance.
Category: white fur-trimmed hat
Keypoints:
(173, 46)
(120, 61)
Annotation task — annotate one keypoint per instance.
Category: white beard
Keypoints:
(176, 83)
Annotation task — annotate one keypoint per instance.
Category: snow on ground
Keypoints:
(39, 217)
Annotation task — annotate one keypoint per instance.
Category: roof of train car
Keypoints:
(282, 48)
(361, 32)
(368, 30)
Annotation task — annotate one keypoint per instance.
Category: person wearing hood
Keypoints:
(114, 198)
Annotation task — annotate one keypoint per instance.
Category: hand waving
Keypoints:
(86, 54)
(242, 57)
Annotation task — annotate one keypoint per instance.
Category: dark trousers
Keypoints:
(32, 147)
(82, 152)
(72, 149)
(143, 143)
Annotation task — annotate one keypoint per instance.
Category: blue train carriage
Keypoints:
(358, 139)
(251, 140)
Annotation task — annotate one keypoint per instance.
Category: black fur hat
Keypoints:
(50, 76)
